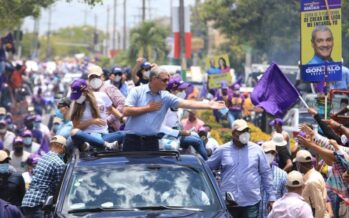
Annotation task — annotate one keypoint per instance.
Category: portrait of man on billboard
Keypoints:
(322, 42)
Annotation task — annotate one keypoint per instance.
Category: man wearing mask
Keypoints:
(56, 124)
(245, 170)
(118, 100)
(6, 136)
(279, 178)
(314, 192)
(18, 156)
(29, 145)
(236, 102)
(119, 80)
(47, 176)
(12, 186)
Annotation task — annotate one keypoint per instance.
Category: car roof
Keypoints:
(125, 158)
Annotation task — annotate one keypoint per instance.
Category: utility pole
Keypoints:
(182, 34)
(143, 11)
(48, 51)
(125, 29)
(114, 25)
(107, 32)
(35, 41)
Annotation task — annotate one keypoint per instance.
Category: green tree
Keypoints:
(148, 40)
(13, 11)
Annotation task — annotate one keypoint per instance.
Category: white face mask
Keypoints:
(146, 74)
(270, 157)
(181, 94)
(81, 99)
(117, 78)
(2, 131)
(244, 138)
(96, 83)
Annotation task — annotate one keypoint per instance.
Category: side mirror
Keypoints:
(48, 205)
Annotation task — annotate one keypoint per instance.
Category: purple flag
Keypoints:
(274, 92)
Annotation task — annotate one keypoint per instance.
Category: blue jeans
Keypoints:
(233, 115)
(97, 139)
(245, 212)
(196, 142)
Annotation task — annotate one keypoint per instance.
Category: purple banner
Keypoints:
(316, 5)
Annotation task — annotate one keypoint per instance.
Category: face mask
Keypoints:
(181, 94)
(2, 117)
(117, 78)
(18, 149)
(270, 158)
(59, 114)
(146, 74)
(3, 131)
(11, 126)
(81, 99)
(4, 168)
(27, 140)
(244, 138)
(344, 139)
(96, 83)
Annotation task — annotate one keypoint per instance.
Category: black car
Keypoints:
(138, 184)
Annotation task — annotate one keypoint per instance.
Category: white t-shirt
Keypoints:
(19, 163)
(103, 103)
(212, 144)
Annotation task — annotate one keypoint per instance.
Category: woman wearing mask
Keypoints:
(89, 115)
(171, 126)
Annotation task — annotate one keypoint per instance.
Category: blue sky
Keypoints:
(76, 13)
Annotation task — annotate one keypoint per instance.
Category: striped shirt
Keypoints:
(279, 182)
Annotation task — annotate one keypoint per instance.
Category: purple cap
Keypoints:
(177, 82)
(38, 118)
(18, 139)
(27, 133)
(275, 121)
(203, 129)
(236, 86)
(77, 87)
(33, 159)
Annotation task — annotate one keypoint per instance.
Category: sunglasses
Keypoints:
(164, 80)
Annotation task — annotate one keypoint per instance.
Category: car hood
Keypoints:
(152, 214)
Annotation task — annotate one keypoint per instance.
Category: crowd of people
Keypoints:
(147, 109)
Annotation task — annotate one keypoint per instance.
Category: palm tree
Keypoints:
(148, 40)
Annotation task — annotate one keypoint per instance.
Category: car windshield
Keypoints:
(140, 186)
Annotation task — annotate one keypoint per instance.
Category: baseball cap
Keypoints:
(27, 133)
(33, 159)
(18, 139)
(59, 139)
(268, 146)
(64, 101)
(2, 111)
(236, 86)
(239, 125)
(95, 70)
(177, 83)
(3, 155)
(294, 179)
(146, 65)
(116, 70)
(303, 156)
(279, 140)
(77, 87)
(57, 120)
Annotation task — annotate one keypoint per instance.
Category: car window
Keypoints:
(132, 186)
